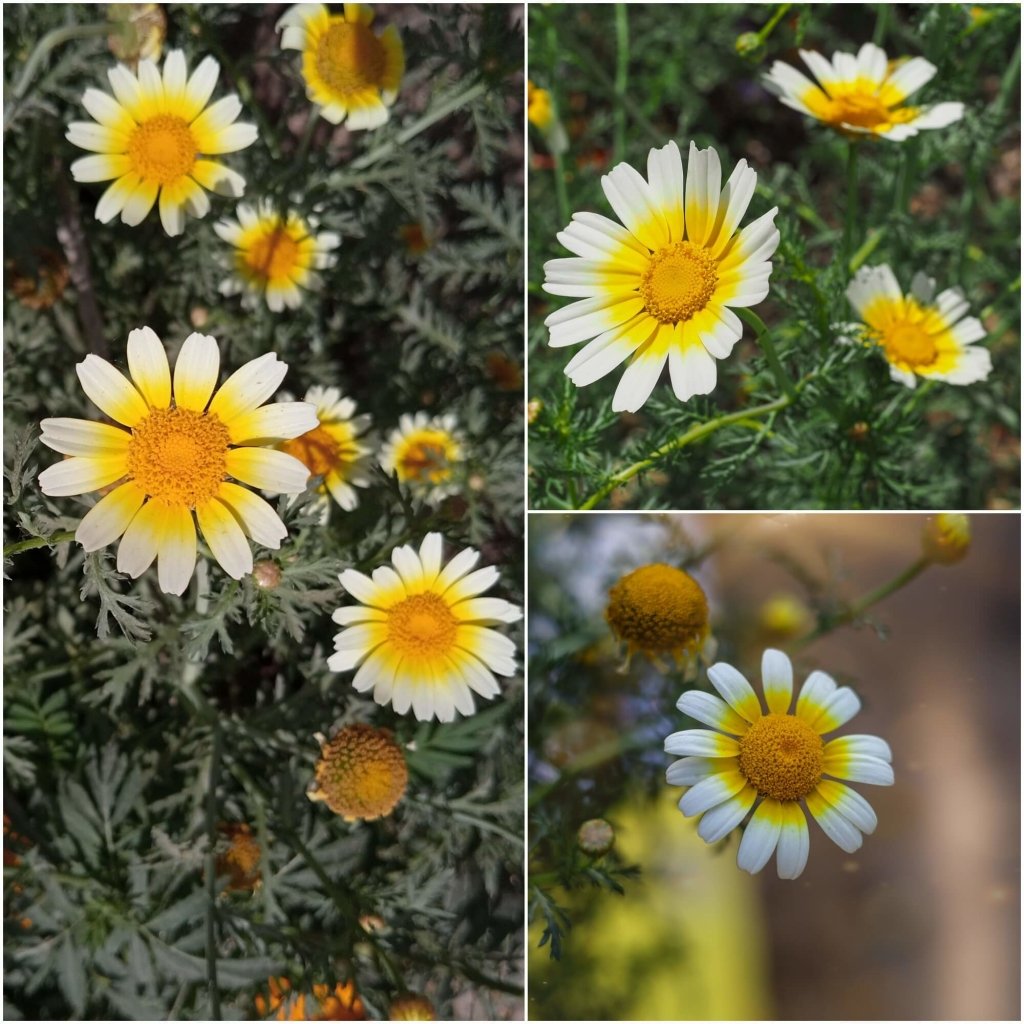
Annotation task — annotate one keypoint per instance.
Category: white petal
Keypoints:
(777, 681)
(760, 837)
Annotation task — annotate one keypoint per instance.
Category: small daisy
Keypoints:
(420, 635)
(175, 457)
(351, 73)
(153, 136)
(425, 453)
(863, 95)
(660, 290)
(919, 335)
(335, 450)
(777, 759)
(275, 257)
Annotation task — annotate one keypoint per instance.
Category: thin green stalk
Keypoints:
(211, 871)
(872, 242)
(855, 610)
(764, 339)
(1009, 84)
(16, 547)
(621, 79)
(780, 13)
(561, 195)
(849, 225)
(881, 24)
(594, 758)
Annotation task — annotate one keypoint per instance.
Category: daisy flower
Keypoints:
(919, 335)
(420, 635)
(863, 95)
(275, 257)
(775, 760)
(425, 453)
(659, 289)
(351, 73)
(175, 457)
(335, 449)
(153, 136)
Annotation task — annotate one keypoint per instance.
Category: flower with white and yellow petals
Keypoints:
(425, 453)
(351, 73)
(920, 335)
(177, 445)
(863, 94)
(420, 635)
(771, 762)
(275, 257)
(336, 449)
(153, 136)
(659, 290)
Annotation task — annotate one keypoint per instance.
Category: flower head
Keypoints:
(411, 1006)
(351, 73)
(863, 94)
(919, 335)
(324, 1003)
(336, 449)
(660, 290)
(140, 31)
(361, 774)
(425, 452)
(240, 860)
(778, 759)
(595, 837)
(946, 538)
(658, 609)
(176, 456)
(153, 136)
(275, 257)
(420, 635)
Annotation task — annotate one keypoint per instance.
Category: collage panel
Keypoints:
(774, 256)
(263, 445)
(774, 767)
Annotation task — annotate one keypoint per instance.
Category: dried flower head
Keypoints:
(240, 861)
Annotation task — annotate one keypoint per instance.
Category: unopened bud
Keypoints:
(946, 538)
(595, 837)
(750, 46)
(266, 574)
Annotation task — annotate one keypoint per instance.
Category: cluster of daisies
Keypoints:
(660, 286)
(772, 759)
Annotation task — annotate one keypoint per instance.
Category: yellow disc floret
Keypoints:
(179, 455)
(422, 626)
(318, 450)
(426, 456)
(162, 149)
(410, 1006)
(908, 344)
(658, 609)
(678, 282)
(782, 757)
(350, 58)
(361, 774)
(273, 256)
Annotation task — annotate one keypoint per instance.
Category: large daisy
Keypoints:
(771, 762)
(153, 136)
(863, 94)
(351, 73)
(660, 289)
(336, 449)
(920, 335)
(420, 635)
(426, 453)
(176, 456)
(275, 257)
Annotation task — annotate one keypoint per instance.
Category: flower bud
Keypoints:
(595, 837)
(946, 538)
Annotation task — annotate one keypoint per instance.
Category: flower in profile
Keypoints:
(775, 760)
(946, 538)
(658, 609)
(661, 289)
(361, 774)
(336, 449)
(175, 457)
(341, 1002)
(863, 94)
(919, 335)
(425, 452)
(420, 635)
(351, 73)
(275, 257)
(411, 1006)
(540, 112)
(239, 861)
(153, 137)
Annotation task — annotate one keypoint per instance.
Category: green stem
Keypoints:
(1009, 85)
(870, 245)
(784, 381)
(561, 195)
(849, 225)
(780, 13)
(881, 24)
(53, 540)
(694, 434)
(855, 610)
(593, 758)
(430, 118)
(211, 871)
(621, 79)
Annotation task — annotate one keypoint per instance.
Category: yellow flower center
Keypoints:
(860, 105)
(179, 456)
(658, 609)
(422, 626)
(318, 450)
(162, 149)
(678, 282)
(273, 256)
(782, 757)
(909, 343)
(350, 58)
(426, 459)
